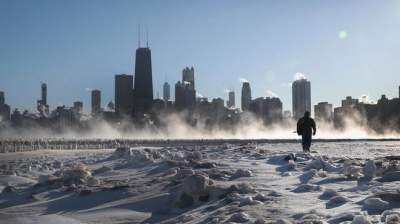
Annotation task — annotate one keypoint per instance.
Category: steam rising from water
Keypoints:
(176, 128)
(243, 80)
(299, 76)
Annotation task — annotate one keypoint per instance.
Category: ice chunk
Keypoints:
(336, 201)
(390, 176)
(241, 173)
(376, 204)
(360, 219)
(329, 193)
(388, 212)
(240, 217)
(369, 170)
(307, 188)
(196, 184)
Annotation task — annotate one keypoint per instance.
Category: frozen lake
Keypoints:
(203, 181)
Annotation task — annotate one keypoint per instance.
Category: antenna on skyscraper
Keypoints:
(139, 35)
(147, 38)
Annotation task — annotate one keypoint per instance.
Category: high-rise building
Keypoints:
(96, 102)
(5, 109)
(78, 107)
(188, 76)
(185, 93)
(2, 98)
(185, 96)
(269, 109)
(123, 94)
(41, 104)
(301, 97)
(166, 92)
(323, 111)
(231, 99)
(349, 102)
(143, 91)
(246, 96)
(44, 93)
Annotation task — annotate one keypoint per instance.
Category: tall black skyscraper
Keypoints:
(96, 102)
(2, 100)
(123, 94)
(246, 96)
(4, 108)
(143, 92)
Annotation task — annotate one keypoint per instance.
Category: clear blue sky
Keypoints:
(343, 47)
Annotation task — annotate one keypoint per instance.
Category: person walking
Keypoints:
(306, 128)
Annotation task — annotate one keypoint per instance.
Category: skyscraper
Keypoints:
(188, 76)
(323, 111)
(78, 107)
(301, 97)
(166, 92)
(185, 96)
(246, 96)
(96, 102)
(41, 104)
(44, 93)
(143, 92)
(231, 100)
(2, 97)
(123, 94)
(5, 109)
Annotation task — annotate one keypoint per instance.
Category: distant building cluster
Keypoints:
(134, 101)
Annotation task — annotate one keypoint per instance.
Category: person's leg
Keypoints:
(303, 143)
(307, 143)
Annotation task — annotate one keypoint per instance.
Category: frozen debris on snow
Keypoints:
(307, 176)
(390, 176)
(392, 219)
(78, 174)
(369, 169)
(283, 221)
(184, 172)
(196, 185)
(102, 169)
(240, 217)
(303, 188)
(329, 193)
(241, 173)
(389, 212)
(376, 204)
(342, 217)
(9, 189)
(320, 164)
(350, 170)
(336, 201)
(360, 219)
(291, 165)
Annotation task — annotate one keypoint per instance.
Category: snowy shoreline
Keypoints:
(342, 182)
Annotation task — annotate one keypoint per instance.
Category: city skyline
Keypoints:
(37, 55)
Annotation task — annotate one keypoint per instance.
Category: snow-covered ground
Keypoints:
(343, 182)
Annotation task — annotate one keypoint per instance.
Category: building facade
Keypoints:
(301, 97)
(96, 102)
(143, 85)
(231, 99)
(246, 96)
(123, 94)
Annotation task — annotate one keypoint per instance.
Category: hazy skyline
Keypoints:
(343, 47)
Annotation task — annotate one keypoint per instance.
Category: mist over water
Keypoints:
(175, 127)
